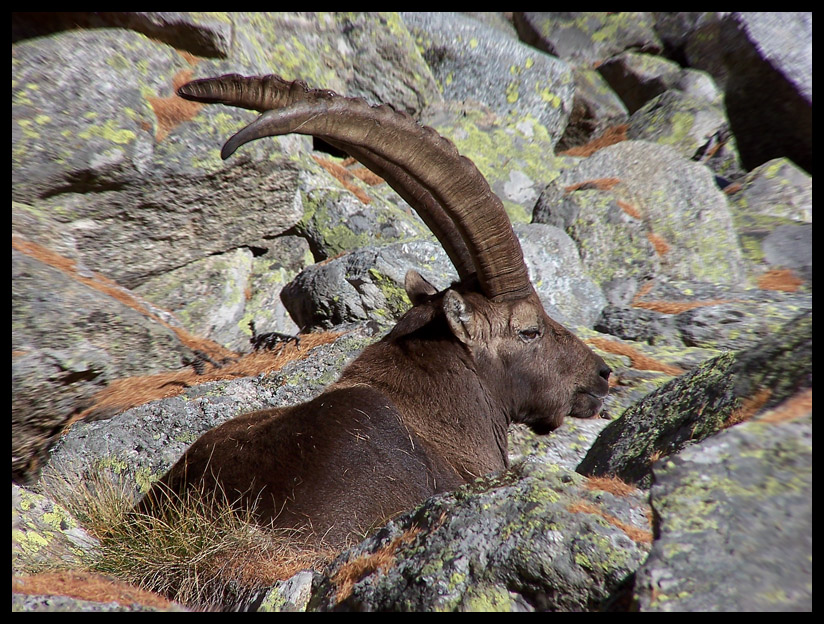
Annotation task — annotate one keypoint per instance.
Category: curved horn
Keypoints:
(262, 93)
(431, 160)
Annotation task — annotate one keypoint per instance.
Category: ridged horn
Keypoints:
(418, 152)
(262, 93)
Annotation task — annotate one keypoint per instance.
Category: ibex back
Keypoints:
(427, 408)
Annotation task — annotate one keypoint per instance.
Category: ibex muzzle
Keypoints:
(427, 408)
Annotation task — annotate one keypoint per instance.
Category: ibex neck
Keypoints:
(440, 396)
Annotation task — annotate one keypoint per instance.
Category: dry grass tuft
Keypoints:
(613, 485)
(780, 279)
(353, 571)
(639, 536)
(637, 359)
(611, 136)
(202, 552)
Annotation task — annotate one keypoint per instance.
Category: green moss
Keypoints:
(110, 131)
(397, 301)
(487, 598)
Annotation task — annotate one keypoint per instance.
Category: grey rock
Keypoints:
(611, 238)
(533, 539)
(636, 324)
(471, 60)
(364, 285)
(791, 246)
(44, 536)
(60, 362)
(737, 325)
(778, 188)
(637, 78)
(695, 126)
(703, 401)
(587, 38)
(679, 204)
(568, 293)
(734, 523)
(203, 34)
(763, 63)
(595, 108)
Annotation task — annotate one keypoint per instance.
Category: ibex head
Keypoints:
(532, 368)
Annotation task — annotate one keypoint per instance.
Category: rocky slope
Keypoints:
(657, 167)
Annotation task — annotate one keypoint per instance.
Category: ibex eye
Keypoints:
(528, 335)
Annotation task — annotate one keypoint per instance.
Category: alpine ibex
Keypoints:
(427, 408)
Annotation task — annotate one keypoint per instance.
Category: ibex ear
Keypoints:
(459, 315)
(417, 288)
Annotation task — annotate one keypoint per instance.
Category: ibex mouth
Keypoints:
(587, 404)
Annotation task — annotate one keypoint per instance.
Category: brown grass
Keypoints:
(596, 184)
(659, 243)
(84, 585)
(670, 307)
(345, 177)
(749, 407)
(676, 307)
(611, 136)
(112, 289)
(638, 360)
(639, 536)
(780, 279)
(129, 392)
(613, 485)
(796, 406)
(366, 176)
(353, 571)
(631, 210)
(173, 110)
(200, 551)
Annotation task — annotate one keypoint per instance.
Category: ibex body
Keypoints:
(427, 408)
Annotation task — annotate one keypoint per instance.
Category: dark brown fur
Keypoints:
(420, 412)
(427, 408)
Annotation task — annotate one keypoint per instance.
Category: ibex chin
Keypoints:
(426, 409)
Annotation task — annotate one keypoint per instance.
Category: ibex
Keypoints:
(426, 409)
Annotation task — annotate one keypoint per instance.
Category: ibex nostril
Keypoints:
(605, 371)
